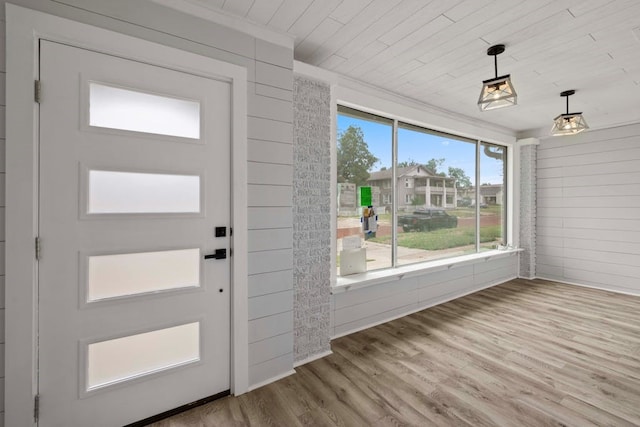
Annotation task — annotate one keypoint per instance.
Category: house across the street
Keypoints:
(416, 186)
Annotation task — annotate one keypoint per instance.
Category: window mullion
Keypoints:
(506, 182)
(478, 196)
(394, 195)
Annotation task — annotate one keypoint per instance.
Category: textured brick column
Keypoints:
(311, 217)
(528, 210)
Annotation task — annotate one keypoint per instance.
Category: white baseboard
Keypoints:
(271, 380)
(600, 288)
(312, 358)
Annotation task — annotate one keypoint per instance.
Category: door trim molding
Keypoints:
(25, 28)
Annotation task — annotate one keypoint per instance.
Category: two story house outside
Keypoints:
(490, 194)
(416, 186)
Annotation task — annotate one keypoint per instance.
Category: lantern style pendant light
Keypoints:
(497, 92)
(569, 123)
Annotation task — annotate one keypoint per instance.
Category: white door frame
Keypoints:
(25, 28)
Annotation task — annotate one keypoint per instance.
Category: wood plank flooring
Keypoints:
(525, 353)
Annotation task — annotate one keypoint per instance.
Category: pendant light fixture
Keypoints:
(497, 92)
(569, 123)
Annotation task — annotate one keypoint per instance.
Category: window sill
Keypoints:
(357, 281)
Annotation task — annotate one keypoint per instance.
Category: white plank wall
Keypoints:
(2, 210)
(588, 229)
(362, 308)
(270, 157)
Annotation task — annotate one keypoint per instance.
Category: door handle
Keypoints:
(218, 254)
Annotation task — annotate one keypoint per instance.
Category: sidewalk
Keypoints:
(379, 255)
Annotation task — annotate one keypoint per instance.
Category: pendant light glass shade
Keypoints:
(499, 91)
(568, 123)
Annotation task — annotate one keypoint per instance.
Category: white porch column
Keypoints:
(455, 194)
(427, 194)
(444, 193)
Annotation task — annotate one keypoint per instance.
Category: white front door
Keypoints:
(133, 318)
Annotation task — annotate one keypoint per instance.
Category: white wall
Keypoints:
(269, 167)
(2, 212)
(362, 308)
(588, 222)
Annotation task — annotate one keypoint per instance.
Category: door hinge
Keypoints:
(37, 248)
(36, 407)
(37, 91)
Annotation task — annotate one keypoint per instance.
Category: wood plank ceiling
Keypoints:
(434, 51)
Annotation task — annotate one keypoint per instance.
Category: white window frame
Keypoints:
(25, 28)
(414, 117)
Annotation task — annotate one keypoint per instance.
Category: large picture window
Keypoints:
(407, 194)
(364, 157)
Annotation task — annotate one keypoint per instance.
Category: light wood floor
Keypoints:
(525, 353)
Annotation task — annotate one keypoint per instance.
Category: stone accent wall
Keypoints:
(528, 210)
(311, 217)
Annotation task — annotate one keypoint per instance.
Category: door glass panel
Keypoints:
(133, 192)
(121, 359)
(125, 109)
(130, 274)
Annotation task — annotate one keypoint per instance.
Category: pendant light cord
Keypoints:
(495, 64)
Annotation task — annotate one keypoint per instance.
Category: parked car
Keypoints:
(427, 219)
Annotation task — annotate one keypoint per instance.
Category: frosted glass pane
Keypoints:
(129, 274)
(126, 358)
(117, 108)
(132, 192)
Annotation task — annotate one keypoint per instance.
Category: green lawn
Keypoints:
(462, 212)
(471, 211)
(442, 239)
(459, 212)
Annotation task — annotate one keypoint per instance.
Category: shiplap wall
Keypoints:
(358, 309)
(270, 158)
(2, 208)
(588, 209)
